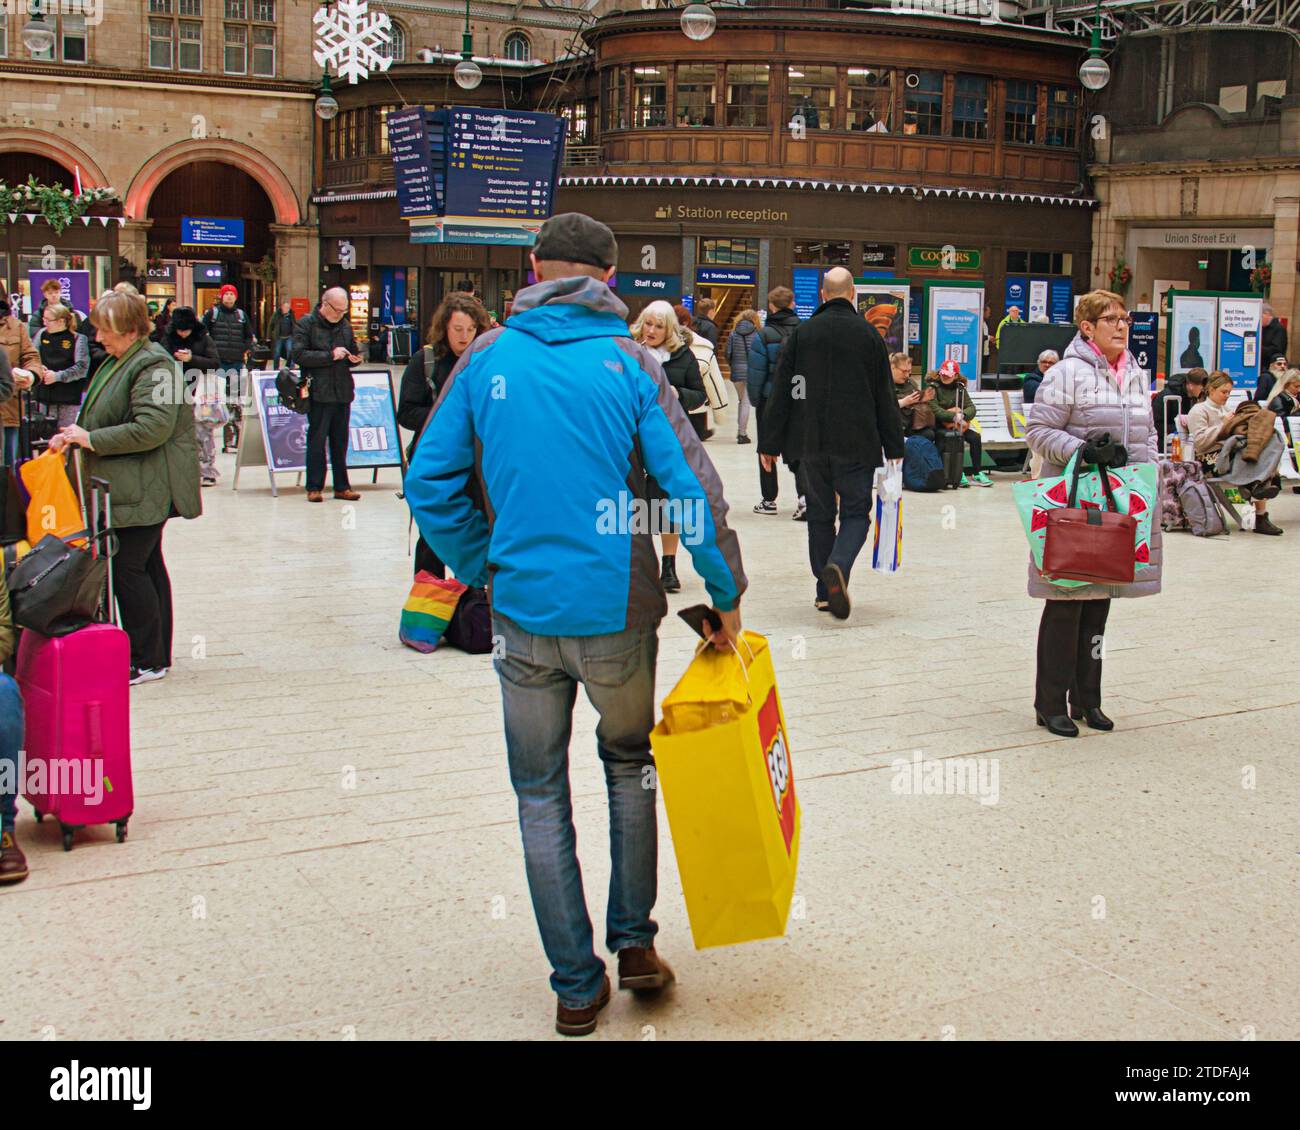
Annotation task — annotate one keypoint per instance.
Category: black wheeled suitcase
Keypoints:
(952, 450)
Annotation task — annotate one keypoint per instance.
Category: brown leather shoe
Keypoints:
(315, 496)
(13, 864)
(347, 495)
(580, 1021)
(643, 970)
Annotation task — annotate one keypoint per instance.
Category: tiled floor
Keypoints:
(325, 843)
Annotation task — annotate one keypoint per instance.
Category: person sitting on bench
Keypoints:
(955, 412)
(1206, 424)
(915, 405)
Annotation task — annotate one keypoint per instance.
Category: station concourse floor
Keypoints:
(325, 842)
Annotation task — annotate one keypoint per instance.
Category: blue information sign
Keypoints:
(417, 142)
(1060, 304)
(1018, 295)
(725, 276)
(1142, 339)
(502, 164)
(655, 285)
(207, 232)
(807, 291)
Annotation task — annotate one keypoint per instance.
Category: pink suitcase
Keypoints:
(76, 709)
(78, 736)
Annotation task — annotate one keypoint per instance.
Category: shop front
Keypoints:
(87, 254)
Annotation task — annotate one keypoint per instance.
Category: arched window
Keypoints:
(396, 49)
(518, 48)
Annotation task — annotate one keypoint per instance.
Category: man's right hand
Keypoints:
(726, 637)
(340, 354)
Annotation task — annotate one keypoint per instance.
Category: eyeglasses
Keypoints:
(1118, 319)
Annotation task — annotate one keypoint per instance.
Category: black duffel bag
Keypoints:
(57, 587)
(289, 386)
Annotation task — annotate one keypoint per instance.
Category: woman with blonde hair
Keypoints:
(1096, 390)
(65, 363)
(657, 329)
(1284, 399)
(143, 444)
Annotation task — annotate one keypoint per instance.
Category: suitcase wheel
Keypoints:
(67, 839)
(121, 831)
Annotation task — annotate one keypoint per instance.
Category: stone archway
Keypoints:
(58, 149)
(266, 173)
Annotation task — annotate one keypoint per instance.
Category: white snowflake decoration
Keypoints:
(348, 39)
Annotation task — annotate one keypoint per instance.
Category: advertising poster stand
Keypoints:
(952, 320)
(1227, 330)
(884, 303)
(276, 438)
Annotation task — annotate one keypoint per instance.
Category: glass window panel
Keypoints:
(264, 11)
(236, 56)
(1022, 112)
(190, 7)
(970, 107)
(650, 95)
(4, 52)
(160, 7)
(190, 54)
(236, 9)
(1062, 116)
(923, 103)
(74, 39)
(697, 94)
(871, 100)
(810, 91)
(729, 250)
(832, 253)
(395, 48)
(160, 44)
(747, 85)
(264, 51)
(518, 47)
(1040, 262)
(613, 98)
(1017, 260)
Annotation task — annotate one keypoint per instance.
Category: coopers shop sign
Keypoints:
(935, 258)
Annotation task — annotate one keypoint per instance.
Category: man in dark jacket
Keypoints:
(326, 349)
(832, 408)
(764, 349)
(1272, 337)
(280, 331)
(232, 334)
(1180, 393)
(705, 326)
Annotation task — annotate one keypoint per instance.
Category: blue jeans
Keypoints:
(11, 741)
(539, 684)
(824, 478)
(282, 345)
(11, 445)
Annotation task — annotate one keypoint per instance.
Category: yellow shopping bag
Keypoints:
(54, 507)
(723, 762)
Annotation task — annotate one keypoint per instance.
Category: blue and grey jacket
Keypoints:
(561, 415)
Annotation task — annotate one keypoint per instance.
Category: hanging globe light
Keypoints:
(698, 21)
(467, 74)
(327, 106)
(1094, 73)
(38, 36)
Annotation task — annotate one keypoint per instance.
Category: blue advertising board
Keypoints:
(502, 164)
(1239, 329)
(1142, 339)
(954, 322)
(373, 439)
(392, 296)
(807, 291)
(1017, 295)
(648, 283)
(205, 231)
(1060, 304)
(725, 276)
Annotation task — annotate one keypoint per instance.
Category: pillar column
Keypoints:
(133, 244)
(297, 260)
(1284, 294)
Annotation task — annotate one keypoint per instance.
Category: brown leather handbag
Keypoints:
(1088, 543)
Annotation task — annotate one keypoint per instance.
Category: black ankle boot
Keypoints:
(668, 574)
(1264, 526)
(1058, 724)
(1094, 717)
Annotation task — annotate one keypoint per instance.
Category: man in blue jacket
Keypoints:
(764, 351)
(561, 416)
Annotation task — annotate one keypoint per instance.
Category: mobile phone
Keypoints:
(702, 619)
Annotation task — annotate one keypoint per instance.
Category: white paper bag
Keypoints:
(887, 546)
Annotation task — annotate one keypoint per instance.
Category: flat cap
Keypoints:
(572, 237)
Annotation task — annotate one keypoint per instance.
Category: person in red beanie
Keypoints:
(232, 333)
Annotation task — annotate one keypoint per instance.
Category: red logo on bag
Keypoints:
(779, 772)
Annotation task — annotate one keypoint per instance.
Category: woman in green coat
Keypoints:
(137, 429)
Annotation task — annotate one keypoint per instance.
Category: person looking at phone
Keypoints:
(325, 349)
(913, 402)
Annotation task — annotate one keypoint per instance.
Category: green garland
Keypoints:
(59, 205)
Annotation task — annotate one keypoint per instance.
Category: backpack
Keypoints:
(1201, 510)
(922, 468)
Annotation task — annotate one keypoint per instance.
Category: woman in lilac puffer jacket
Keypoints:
(1095, 388)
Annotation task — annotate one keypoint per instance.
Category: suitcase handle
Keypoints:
(95, 729)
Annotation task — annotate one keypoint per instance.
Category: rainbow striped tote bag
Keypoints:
(427, 611)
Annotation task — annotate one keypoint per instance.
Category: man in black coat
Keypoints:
(832, 408)
(326, 349)
(1272, 338)
(705, 326)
